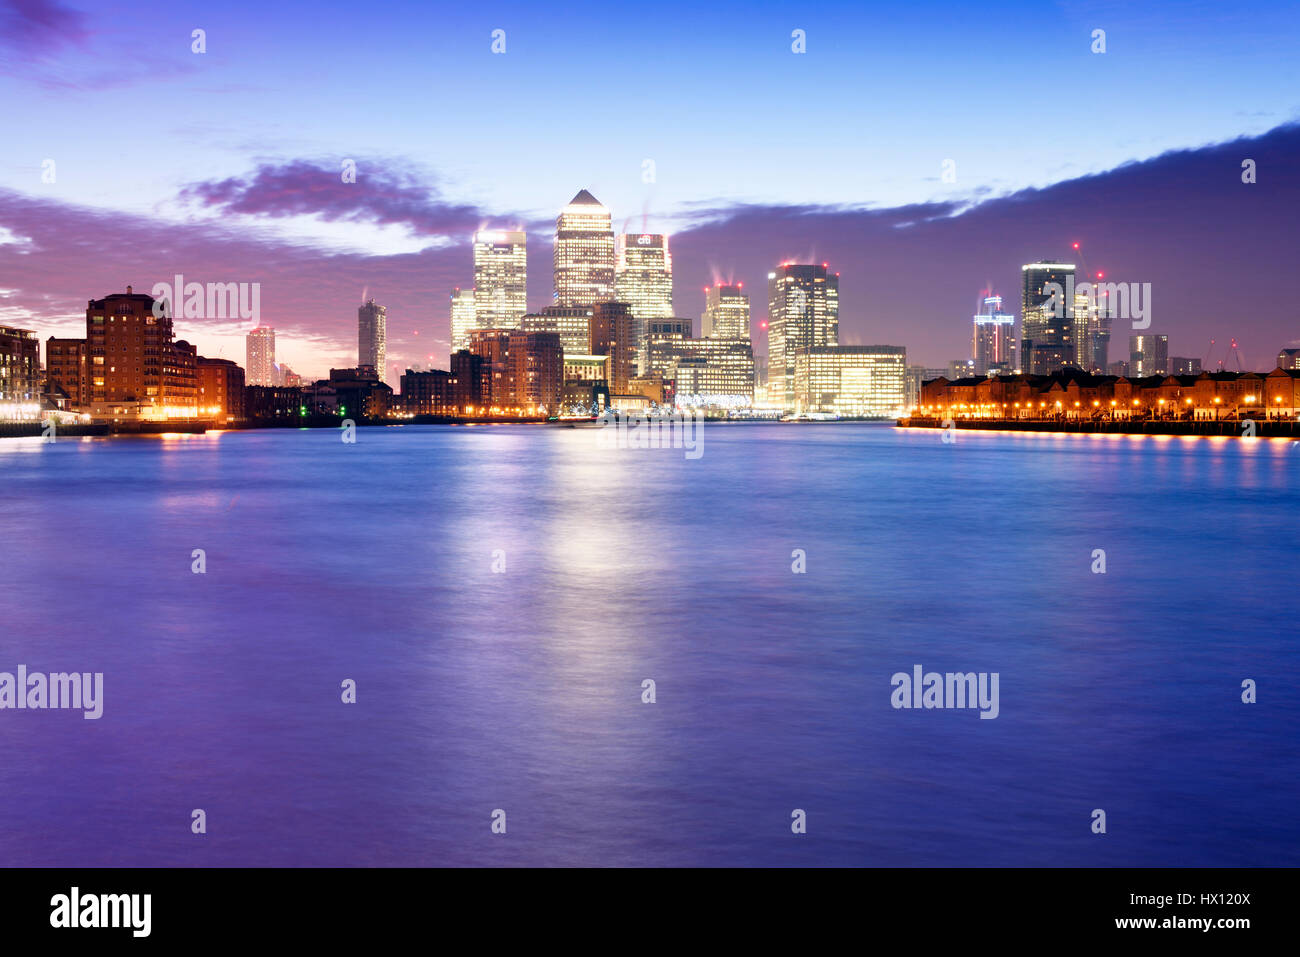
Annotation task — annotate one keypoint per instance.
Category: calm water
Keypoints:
(522, 690)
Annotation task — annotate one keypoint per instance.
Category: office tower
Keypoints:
(573, 323)
(1046, 317)
(584, 253)
(1148, 355)
(1181, 365)
(643, 278)
(137, 371)
(1288, 359)
(662, 339)
(463, 313)
(708, 373)
(372, 337)
(864, 381)
(259, 351)
(66, 371)
(993, 342)
(221, 390)
(726, 312)
(20, 374)
(803, 312)
(611, 335)
(500, 278)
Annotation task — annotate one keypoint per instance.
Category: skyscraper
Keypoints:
(500, 278)
(462, 318)
(372, 337)
(993, 343)
(1046, 317)
(584, 253)
(259, 350)
(1148, 355)
(726, 312)
(803, 312)
(643, 278)
(573, 323)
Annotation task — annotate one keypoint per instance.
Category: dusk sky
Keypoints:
(224, 166)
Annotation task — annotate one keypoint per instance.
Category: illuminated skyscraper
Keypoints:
(372, 337)
(1046, 317)
(259, 351)
(462, 318)
(803, 312)
(573, 323)
(1148, 355)
(993, 344)
(726, 312)
(851, 380)
(500, 278)
(643, 278)
(584, 253)
(611, 335)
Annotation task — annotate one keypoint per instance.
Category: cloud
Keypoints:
(380, 196)
(35, 27)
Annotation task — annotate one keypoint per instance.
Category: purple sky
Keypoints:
(1220, 255)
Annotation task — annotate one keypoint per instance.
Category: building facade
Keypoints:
(571, 323)
(500, 278)
(259, 357)
(584, 253)
(643, 278)
(851, 380)
(993, 341)
(1046, 317)
(726, 312)
(221, 390)
(803, 312)
(66, 371)
(20, 374)
(1148, 355)
(463, 318)
(611, 335)
(372, 337)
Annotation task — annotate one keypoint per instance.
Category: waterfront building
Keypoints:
(643, 278)
(259, 357)
(372, 337)
(66, 371)
(851, 380)
(1046, 321)
(726, 312)
(584, 253)
(803, 312)
(463, 318)
(993, 340)
(611, 335)
(221, 390)
(500, 278)
(20, 374)
(572, 323)
(1148, 355)
(136, 369)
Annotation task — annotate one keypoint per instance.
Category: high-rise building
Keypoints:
(851, 380)
(662, 339)
(611, 335)
(573, 323)
(803, 312)
(1148, 355)
(463, 318)
(1046, 317)
(643, 278)
(372, 337)
(20, 374)
(1288, 359)
(136, 369)
(521, 370)
(500, 278)
(726, 312)
(584, 253)
(710, 373)
(993, 343)
(259, 353)
(1182, 365)
(66, 371)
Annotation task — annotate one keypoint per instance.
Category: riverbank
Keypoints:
(1270, 428)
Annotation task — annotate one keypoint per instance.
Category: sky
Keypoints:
(224, 165)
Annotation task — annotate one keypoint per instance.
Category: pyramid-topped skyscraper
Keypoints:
(584, 253)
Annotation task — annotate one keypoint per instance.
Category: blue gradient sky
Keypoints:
(586, 92)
